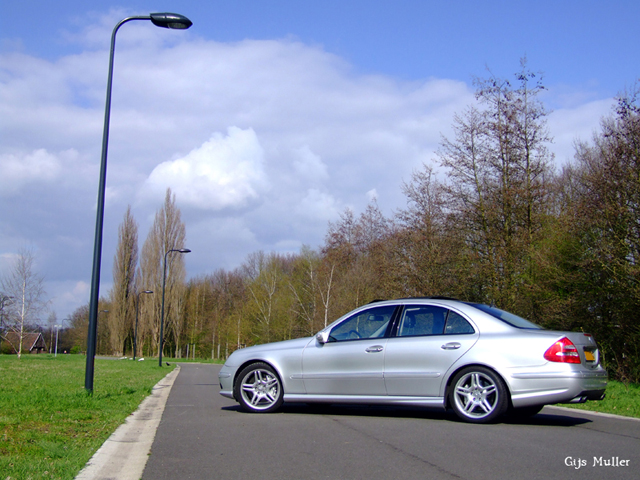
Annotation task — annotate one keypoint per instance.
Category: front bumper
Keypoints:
(225, 377)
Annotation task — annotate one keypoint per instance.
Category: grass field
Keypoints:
(621, 399)
(49, 425)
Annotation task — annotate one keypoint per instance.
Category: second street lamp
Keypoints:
(135, 333)
(164, 281)
(57, 329)
(164, 20)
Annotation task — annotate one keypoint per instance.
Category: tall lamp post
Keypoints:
(57, 327)
(135, 333)
(165, 20)
(164, 281)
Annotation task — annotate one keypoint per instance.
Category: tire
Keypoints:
(259, 389)
(478, 395)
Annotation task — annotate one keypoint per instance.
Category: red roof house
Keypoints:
(32, 342)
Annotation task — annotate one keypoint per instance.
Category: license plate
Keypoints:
(589, 357)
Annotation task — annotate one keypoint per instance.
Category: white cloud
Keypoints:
(310, 135)
(20, 169)
(67, 295)
(317, 206)
(7, 260)
(577, 122)
(225, 172)
(220, 244)
(310, 166)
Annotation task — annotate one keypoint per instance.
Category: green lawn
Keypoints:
(49, 425)
(621, 399)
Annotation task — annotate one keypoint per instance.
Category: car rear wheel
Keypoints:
(478, 395)
(259, 389)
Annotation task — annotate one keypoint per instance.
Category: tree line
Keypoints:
(491, 219)
(131, 312)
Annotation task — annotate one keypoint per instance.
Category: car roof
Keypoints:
(471, 310)
(489, 323)
(439, 300)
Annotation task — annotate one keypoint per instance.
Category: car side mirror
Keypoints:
(322, 337)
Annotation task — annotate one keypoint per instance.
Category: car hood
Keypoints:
(257, 351)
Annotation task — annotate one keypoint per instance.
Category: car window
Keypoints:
(457, 325)
(507, 317)
(370, 323)
(422, 320)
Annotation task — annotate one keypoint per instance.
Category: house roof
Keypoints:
(30, 340)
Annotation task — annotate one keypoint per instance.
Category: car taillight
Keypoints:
(563, 351)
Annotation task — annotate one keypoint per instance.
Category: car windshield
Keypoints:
(510, 318)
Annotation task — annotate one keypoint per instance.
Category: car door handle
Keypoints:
(451, 346)
(374, 349)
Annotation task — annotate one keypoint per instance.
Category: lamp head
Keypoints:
(171, 20)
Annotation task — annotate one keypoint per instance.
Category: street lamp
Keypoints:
(135, 333)
(57, 327)
(165, 20)
(164, 281)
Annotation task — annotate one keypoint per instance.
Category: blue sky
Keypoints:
(576, 42)
(282, 113)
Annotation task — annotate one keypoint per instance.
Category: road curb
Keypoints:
(124, 454)
(591, 412)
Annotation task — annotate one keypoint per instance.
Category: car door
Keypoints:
(351, 362)
(428, 340)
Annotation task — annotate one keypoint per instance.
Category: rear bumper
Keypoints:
(545, 388)
(589, 395)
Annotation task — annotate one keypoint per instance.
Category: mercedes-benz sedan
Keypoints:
(478, 360)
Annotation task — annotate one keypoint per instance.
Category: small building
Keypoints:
(32, 342)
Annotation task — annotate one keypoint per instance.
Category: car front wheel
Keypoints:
(259, 389)
(478, 395)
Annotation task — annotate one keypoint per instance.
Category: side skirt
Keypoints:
(367, 400)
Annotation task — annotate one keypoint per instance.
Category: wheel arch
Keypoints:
(452, 375)
(251, 362)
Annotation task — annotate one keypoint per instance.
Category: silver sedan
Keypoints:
(478, 360)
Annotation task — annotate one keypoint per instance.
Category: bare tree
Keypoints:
(123, 292)
(325, 293)
(352, 253)
(423, 247)
(26, 287)
(263, 279)
(167, 233)
(303, 286)
(310, 283)
(606, 232)
(498, 166)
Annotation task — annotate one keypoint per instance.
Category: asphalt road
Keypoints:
(205, 436)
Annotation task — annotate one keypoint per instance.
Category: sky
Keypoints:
(267, 118)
